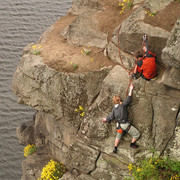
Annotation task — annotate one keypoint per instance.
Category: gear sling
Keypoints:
(120, 130)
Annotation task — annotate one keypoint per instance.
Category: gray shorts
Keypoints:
(132, 131)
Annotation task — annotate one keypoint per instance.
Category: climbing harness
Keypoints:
(120, 130)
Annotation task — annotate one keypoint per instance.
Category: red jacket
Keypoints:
(147, 65)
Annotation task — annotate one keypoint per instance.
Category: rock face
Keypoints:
(79, 34)
(84, 143)
(171, 55)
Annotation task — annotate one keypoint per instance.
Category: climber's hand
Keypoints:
(131, 86)
(144, 48)
(104, 120)
(144, 37)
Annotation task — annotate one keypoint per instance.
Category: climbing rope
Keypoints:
(129, 71)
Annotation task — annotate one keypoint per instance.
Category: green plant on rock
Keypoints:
(152, 14)
(53, 170)
(75, 66)
(37, 52)
(81, 111)
(86, 51)
(36, 49)
(155, 168)
(29, 149)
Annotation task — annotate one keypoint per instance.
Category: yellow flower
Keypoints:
(138, 169)
(53, 170)
(71, 62)
(29, 149)
(92, 59)
(34, 47)
(82, 51)
(81, 108)
(82, 114)
(130, 167)
(150, 160)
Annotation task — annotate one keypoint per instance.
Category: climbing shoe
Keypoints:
(115, 150)
(153, 79)
(133, 145)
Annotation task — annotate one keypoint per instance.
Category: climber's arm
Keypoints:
(109, 117)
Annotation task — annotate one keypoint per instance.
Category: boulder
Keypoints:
(127, 59)
(83, 32)
(174, 144)
(82, 6)
(157, 5)
(141, 116)
(164, 120)
(33, 166)
(81, 157)
(109, 167)
(171, 77)
(25, 133)
(170, 54)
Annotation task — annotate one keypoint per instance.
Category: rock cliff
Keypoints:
(49, 84)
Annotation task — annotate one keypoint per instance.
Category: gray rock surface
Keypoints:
(82, 6)
(33, 165)
(174, 144)
(171, 53)
(171, 77)
(85, 35)
(157, 5)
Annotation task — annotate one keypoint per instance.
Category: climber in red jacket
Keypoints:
(145, 64)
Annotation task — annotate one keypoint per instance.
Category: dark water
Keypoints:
(21, 22)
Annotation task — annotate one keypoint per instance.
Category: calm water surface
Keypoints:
(21, 22)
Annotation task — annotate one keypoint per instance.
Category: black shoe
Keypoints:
(133, 145)
(115, 150)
